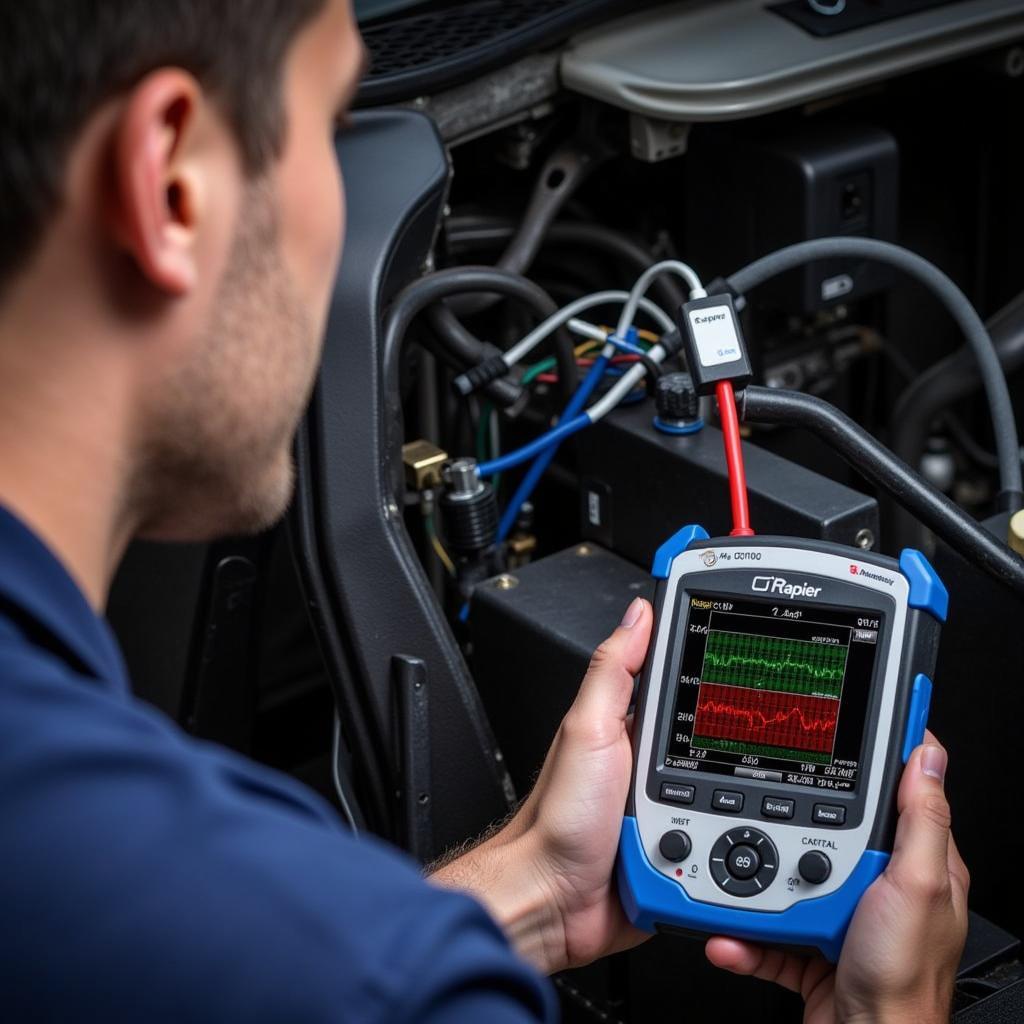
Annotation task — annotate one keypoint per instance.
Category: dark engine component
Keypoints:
(683, 480)
(820, 180)
(470, 509)
(677, 404)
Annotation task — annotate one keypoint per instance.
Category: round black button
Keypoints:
(814, 867)
(675, 846)
(743, 862)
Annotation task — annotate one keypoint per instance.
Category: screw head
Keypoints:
(865, 539)
(506, 582)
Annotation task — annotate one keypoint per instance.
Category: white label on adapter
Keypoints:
(715, 335)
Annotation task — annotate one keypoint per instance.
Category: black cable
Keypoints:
(563, 172)
(431, 288)
(460, 348)
(952, 379)
(877, 464)
(1003, 422)
(468, 231)
(947, 420)
(654, 371)
(459, 339)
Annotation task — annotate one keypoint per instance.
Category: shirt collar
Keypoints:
(34, 582)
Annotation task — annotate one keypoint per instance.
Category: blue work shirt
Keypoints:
(146, 876)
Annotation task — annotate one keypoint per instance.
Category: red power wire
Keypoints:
(734, 460)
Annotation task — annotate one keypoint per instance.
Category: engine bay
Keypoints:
(408, 641)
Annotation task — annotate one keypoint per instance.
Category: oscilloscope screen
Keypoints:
(774, 690)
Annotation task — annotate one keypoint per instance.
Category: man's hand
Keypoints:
(901, 952)
(546, 877)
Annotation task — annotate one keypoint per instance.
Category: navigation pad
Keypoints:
(744, 861)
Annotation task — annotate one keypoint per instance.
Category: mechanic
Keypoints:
(170, 224)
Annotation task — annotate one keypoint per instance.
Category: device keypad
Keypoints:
(829, 814)
(777, 808)
(744, 861)
(677, 793)
(727, 800)
(780, 807)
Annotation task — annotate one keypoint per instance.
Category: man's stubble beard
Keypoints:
(218, 457)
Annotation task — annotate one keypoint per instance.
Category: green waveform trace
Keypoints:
(774, 663)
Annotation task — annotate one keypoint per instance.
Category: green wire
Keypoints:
(537, 369)
(483, 434)
(482, 430)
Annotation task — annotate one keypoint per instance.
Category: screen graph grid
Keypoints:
(774, 663)
(749, 721)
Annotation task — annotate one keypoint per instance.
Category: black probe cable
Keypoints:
(561, 175)
(992, 376)
(876, 463)
(458, 281)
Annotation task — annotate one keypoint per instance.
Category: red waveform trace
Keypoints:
(771, 718)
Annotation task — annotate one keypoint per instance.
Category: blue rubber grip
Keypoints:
(650, 899)
(917, 716)
(675, 545)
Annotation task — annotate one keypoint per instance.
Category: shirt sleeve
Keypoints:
(148, 876)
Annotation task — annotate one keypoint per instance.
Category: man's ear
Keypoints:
(157, 188)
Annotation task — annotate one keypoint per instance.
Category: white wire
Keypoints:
(632, 300)
(523, 348)
(623, 386)
(587, 330)
(657, 354)
(646, 279)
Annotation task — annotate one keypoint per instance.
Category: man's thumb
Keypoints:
(920, 852)
(608, 685)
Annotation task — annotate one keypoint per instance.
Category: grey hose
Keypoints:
(993, 380)
(562, 174)
(952, 379)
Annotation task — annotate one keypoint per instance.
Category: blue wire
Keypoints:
(541, 463)
(553, 437)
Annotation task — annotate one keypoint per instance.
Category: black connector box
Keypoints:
(713, 343)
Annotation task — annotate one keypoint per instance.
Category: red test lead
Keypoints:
(734, 460)
(718, 361)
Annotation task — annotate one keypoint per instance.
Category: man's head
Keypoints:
(171, 211)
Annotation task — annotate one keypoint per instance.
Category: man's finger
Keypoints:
(748, 958)
(608, 685)
(920, 858)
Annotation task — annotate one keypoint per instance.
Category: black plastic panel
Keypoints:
(684, 480)
(369, 596)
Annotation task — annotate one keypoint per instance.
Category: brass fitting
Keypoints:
(423, 462)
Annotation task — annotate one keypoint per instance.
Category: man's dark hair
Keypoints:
(61, 59)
